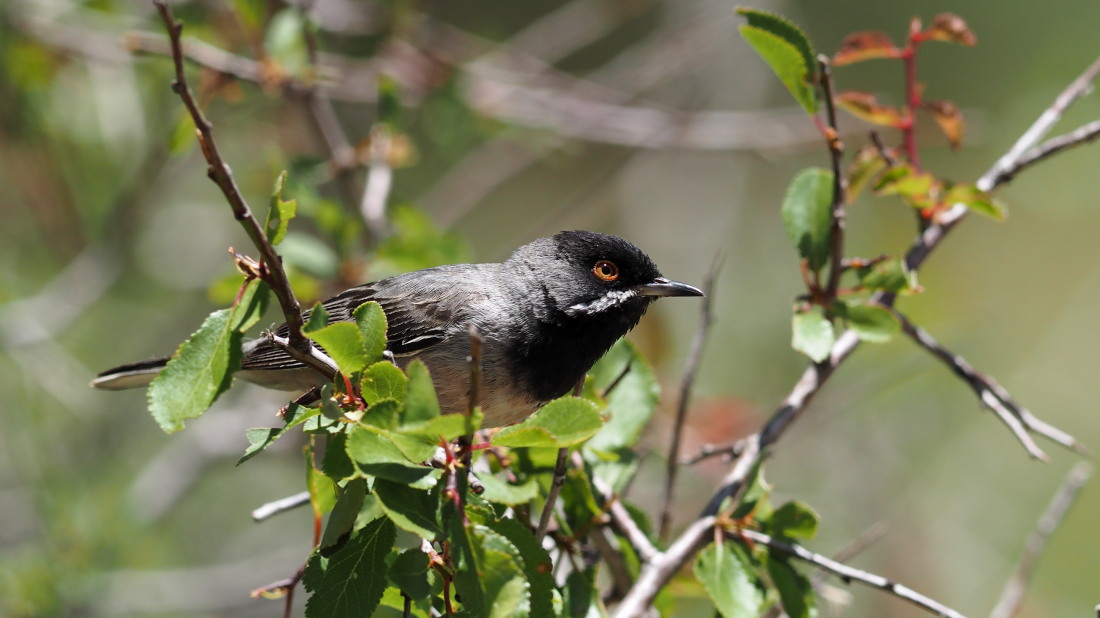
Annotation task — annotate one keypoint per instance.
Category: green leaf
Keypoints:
(755, 500)
(787, 51)
(371, 321)
(285, 41)
(888, 276)
(383, 382)
(322, 489)
(345, 512)
(563, 422)
(409, 572)
(260, 438)
(376, 455)
(489, 578)
(795, 520)
(865, 165)
(350, 581)
(796, 594)
(872, 324)
(537, 565)
(502, 492)
(336, 464)
(632, 402)
(812, 334)
(730, 579)
(202, 368)
(422, 403)
(342, 341)
(411, 509)
(183, 137)
(389, 101)
(279, 212)
(981, 202)
(903, 180)
(807, 215)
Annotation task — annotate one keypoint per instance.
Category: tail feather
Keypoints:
(132, 375)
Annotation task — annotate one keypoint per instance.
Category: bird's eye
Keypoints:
(605, 270)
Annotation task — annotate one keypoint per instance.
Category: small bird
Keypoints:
(546, 315)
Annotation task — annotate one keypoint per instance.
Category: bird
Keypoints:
(546, 315)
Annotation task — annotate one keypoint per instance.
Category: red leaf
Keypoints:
(866, 45)
(950, 28)
(864, 106)
(949, 118)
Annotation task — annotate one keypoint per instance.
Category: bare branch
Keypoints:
(838, 214)
(1013, 593)
(1081, 135)
(672, 463)
(314, 358)
(281, 505)
(663, 566)
(552, 497)
(727, 451)
(848, 573)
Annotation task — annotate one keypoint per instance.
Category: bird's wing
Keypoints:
(422, 308)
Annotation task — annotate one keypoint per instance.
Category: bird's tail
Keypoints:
(133, 375)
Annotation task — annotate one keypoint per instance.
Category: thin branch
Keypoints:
(552, 497)
(219, 172)
(281, 505)
(1081, 135)
(728, 451)
(620, 517)
(850, 574)
(314, 358)
(672, 463)
(659, 570)
(840, 184)
(1013, 593)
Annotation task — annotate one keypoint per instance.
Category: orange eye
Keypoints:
(606, 271)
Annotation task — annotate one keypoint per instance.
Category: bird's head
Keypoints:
(597, 275)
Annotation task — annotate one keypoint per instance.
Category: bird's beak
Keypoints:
(666, 287)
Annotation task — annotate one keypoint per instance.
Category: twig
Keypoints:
(840, 183)
(282, 505)
(664, 565)
(620, 517)
(1081, 135)
(1013, 593)
(219, 172)
(552, 497)
(991, 394)
(850, 574)
(314, 358)
(729, 451)
(672, 463)
(869, 537)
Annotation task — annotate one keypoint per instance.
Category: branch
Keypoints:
(850, 574)
(281, 505)
(728, 451)
(840, 185)
(672, 463)
(1081, 135)
(219, 172)
(1013, 593)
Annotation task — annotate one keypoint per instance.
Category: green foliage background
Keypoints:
(105, 515)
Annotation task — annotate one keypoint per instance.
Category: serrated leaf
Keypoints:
(410, 509)
(279, 212)
(787, 63)
(807, 215)
(865, 45)
(795, 520)
(202, 368)
(502, 492)
(345, 512)
(950, 28)
(787, 31)
(376, 455)
(812, 334)
(865, 165)
(322, 489)
(422, 403)
(730, 579)
(336, 464)
(796, 593)
(350, 581)
(980, 202)
(371, 321)
(409, 572)
(343, 342)
(949, 118)
(870, 323)
(537, 565)
(631, 403)
(382, 381)
(865, 106)
(563, 422)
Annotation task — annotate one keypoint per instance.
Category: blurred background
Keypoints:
(650, 119)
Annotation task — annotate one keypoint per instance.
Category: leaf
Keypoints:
(950, 28)
(807, 215)
(342, 341)
(182, 139)
(422, 403)
(376, 455)
(796, 594)
(202, 368)
(501, 492)
(865, 45)
(383, 382)
(949, 118)
(794, 520)
(871, 323)
(350, 581)
(865, 106)
(788, 64)
(279, 212)
(488, 576)
(563, 422)
(409, 572)
(888, 276)
(411, 509)
(345, 512)
(903, 180)
(260, 438)
(537, 565)
(812, 334)
(633, 400)
(786, 32)
(755, 500)
(371, 321)
(322, 489)
(730, 579)
(285, 42)
(980, 202)
(867, 163)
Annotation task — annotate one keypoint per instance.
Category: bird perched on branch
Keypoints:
(546, 315)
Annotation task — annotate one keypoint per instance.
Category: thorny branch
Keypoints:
(657, 571)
